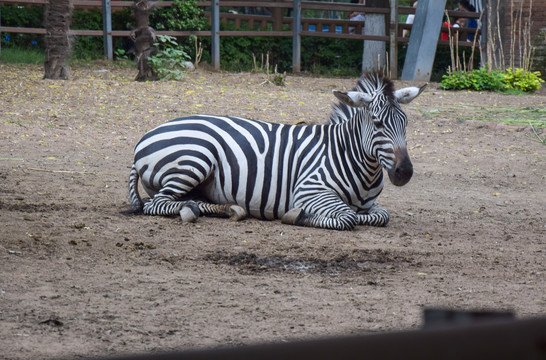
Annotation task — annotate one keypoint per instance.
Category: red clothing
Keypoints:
(445, 35)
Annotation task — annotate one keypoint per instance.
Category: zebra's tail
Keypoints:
(134, 196)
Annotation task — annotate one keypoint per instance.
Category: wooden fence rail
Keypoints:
(260, 25)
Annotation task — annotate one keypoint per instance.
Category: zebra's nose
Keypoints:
(402, 171)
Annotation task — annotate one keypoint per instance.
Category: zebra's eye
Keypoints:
(377, 121)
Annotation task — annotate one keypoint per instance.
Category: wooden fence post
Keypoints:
(277, 14)
(393, 53)
(373, 54)
(215, 34)
(107, 29)
(296, 37)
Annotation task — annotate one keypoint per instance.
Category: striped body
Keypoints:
(314, 175)
(254, 164)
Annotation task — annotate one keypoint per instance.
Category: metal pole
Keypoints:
(393, 53)
(423, 40)
(296, 37)
(215, 35)
(107, 29)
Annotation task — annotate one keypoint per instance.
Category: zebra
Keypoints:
(326, 176)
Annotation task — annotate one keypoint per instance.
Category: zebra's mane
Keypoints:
(370, 83)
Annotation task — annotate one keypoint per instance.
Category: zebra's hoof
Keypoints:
(292, 216)
(189, 213)
(236, 213)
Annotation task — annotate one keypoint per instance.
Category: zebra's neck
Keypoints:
(357, 134)
(356, 145)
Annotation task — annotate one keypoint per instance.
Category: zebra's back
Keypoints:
(227, 160)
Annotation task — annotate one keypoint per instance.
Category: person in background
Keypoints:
(356, 16)
(409, 20)
(465, 5)
(444, 35)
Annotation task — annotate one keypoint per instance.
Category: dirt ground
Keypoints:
(80, 279)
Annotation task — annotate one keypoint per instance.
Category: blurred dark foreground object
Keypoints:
(445, 317)
(448, 335)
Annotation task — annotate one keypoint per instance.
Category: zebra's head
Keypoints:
(374, 106)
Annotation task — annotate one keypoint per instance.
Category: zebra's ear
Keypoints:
(353, 98)
(406, 95)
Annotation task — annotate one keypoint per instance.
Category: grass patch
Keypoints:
(506, 115)
(514, 92)
(21, 56)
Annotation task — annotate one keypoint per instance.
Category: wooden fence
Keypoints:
(262, 25)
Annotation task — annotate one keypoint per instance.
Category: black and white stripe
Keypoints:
(315, 175)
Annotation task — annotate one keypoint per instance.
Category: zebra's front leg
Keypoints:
(233, 211)
(342, 221)
(165, 205)
(323, 210)
(376, 216)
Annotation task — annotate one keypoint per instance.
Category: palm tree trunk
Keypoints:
(144, 38)
(57, 18)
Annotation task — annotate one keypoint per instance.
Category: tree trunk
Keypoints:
(373, 55)
(493, 32)
(57, 18)
(144, 38)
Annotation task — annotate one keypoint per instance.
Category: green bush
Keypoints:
(518, 79)
(170, 61)
(86, 19)
(482, 80)
(340, 57)
(92, 47)
(477, 79)
(183, 15)
(236, 53)
(21, 16)
(455, 80)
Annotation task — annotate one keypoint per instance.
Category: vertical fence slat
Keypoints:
(215, 34)
(296, 37)
(0, 30)
(393, 54)
(107, 29)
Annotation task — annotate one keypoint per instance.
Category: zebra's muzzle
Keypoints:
(402, 170)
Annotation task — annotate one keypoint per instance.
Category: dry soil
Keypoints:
(79, 278)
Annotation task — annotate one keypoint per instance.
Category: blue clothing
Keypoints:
(473, 24)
